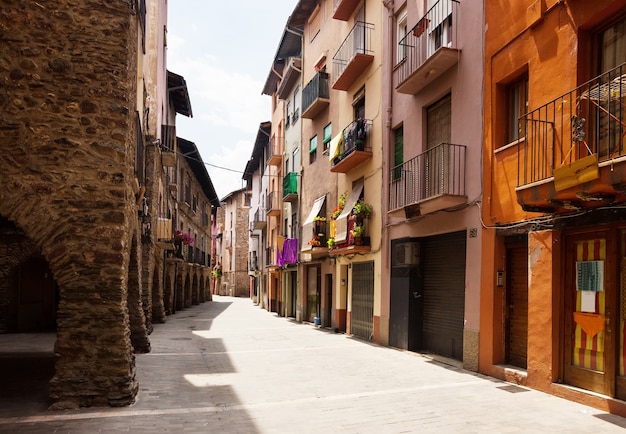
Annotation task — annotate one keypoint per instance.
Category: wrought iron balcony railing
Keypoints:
(354, 148)
(315, 95)
(437, 172)
(430, 45)
(353, 56)
(589, 120)
(272, 204)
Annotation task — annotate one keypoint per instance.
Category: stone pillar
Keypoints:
(68, 103)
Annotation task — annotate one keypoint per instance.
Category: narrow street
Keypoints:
(228, 366)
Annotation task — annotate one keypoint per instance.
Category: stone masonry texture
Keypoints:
(67, 98)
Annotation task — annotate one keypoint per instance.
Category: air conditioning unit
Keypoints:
(407, 253)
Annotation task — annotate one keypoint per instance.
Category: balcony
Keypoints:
(290, 77)
(354, 149)
(574, 152)
(430, 48)
(315, 96)
(429, 182)
(275, 154)
(354, 56)
(353, 244)
(272, 204)
(290, 187)
(343, 9)
(259, 221)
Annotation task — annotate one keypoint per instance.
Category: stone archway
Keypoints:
(179, 295)
(187, 290)
(138, 331)
(194, 290)
(68, 181)
(202, 289)
(158, 297)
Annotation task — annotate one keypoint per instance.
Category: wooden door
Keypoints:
(516, 342)
(590, 311)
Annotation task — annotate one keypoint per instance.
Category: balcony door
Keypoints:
(607, 115)
(438, 124)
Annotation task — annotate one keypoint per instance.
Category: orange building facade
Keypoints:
(553, 290)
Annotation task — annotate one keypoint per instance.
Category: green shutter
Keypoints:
(398, 157)
(313, 145)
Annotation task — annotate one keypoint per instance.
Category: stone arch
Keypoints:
(158, 296)
(187, 289)
(28, 291)
(195, 289)
(178, 289)
(202, 289)
(68, 183)
(168, 290)
(138, 331)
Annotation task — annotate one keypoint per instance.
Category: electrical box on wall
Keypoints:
(405, 254)
(500, 278)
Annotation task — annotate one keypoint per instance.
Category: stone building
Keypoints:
(234, 244)
(87, 133)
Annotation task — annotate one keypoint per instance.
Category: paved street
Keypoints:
(228, 366)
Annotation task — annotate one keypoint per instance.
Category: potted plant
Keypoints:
(357, 232)
(330, 242)
(362, 209)
(337, 211)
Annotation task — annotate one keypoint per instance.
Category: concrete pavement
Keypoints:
(227, 366)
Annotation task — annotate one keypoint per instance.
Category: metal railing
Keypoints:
(438, 171)
(355, 138)
(314, 89)
(358, 41)
(588, 120)
(438, 28)
(272, 202)
(290, 184)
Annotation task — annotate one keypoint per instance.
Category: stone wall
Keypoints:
(67, 94)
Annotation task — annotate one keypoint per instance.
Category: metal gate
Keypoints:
(362, 315)
(444, 294)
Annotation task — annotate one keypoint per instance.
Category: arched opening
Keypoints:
(158, 308)
(187, 291)
(194, 290)
(29, 298)
(178, 291)
(138, 331)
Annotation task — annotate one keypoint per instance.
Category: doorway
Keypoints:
(516, 310)
(595, 282)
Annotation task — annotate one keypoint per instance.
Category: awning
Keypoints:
(308, 226)
(341, 234)
(315, 210)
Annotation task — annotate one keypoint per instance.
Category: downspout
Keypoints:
(387, 138)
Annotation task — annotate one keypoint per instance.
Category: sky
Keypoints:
(224, 50)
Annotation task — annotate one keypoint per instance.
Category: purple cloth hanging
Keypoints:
(290, 251)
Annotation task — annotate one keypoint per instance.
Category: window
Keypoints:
(314, 23)
(402, 31)
(398, 152)
(607, 116)
(436, 163)
(296, 159)
(296, 104)
(328, 135)
(313, 150)
(517, 106)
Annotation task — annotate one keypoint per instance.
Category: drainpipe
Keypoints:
(387, 138)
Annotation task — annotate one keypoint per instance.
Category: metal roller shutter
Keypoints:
(362, 319)
(444, 294)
